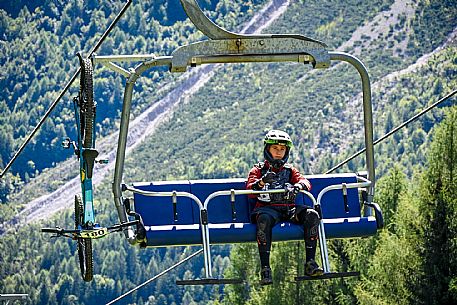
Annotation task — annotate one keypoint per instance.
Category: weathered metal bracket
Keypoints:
(213, 31)
(204, 24)
(274, 49)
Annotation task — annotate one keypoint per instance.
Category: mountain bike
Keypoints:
(86, 227)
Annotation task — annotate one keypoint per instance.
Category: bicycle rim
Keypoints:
(87, 105)
(84, 244)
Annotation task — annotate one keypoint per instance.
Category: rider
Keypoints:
(275, 173)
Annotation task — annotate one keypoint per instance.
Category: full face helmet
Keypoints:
(276, 137)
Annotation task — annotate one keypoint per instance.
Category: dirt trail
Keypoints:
(140, 128)
(380, 25)
(356, 103)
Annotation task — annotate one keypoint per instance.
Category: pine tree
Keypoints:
(439, 211)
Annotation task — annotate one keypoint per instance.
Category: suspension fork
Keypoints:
(87, 160)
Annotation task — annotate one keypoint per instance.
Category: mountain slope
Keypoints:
(217, 132)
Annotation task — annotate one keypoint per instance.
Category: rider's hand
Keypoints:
(300, 186)
(289, 192)
(297, 188)
(269, 177)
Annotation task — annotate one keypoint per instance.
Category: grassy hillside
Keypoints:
(218, 132)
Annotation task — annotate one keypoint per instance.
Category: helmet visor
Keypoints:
(280, 142)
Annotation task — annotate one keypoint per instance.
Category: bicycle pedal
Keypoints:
(102, 161)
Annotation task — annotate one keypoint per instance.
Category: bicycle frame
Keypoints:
(86, 164)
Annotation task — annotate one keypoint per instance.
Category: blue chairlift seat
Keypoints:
(178, 225)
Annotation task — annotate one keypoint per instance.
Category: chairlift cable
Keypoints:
(404, 124)
(65, 89)
(156, 277)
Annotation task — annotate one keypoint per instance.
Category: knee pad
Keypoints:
(311, 224)
(308, 217)
(264, 222)
(312, 217)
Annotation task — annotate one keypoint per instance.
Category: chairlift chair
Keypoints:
(216, 211)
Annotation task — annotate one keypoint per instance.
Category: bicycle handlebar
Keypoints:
(119, 226)
(58, 230)
(89, 233)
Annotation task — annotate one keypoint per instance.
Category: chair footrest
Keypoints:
(329, 275)
(210, 281)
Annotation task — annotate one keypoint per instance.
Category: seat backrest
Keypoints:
(159, 210)
(332, 202)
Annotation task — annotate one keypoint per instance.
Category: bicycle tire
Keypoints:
(86, 263)
(87, 104)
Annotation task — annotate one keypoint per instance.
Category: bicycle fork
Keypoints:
(87, 160)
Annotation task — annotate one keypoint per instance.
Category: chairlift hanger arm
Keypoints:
(147, 61)
(367, 117)
(229, 47)
(213, 31)
(168, 60)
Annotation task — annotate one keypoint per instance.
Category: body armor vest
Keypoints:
(282, 180)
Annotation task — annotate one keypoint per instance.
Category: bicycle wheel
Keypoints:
(87, 105)
(84, 244)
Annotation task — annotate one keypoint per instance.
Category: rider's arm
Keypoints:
(254, 181)
(296, 177)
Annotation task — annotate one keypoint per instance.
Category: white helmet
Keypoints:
(277, 137)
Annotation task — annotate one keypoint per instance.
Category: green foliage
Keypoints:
(218, 133)
(394, 266)
(390, 187)
(438, 211)
(7, 185)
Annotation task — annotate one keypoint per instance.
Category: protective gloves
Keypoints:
(297, 188)
(268, 177)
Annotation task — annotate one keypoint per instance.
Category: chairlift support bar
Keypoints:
(135, 73)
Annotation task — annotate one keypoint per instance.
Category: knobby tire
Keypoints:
(84, 244)
(87, 105)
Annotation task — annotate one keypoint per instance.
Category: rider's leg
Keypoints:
(310, 220)
(265, 223)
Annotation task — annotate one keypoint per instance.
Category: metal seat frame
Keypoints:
(204, 225)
